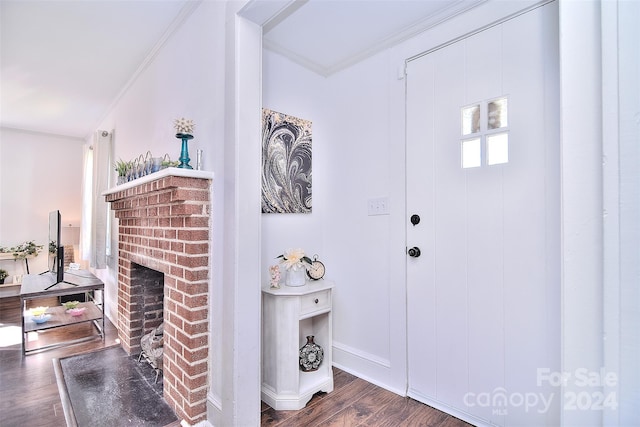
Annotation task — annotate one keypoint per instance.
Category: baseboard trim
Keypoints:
(368, 357)
(464, 416)
(368, 379)
(214, 409)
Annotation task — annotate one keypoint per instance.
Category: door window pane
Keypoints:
(497, 148)
(470, 119)
(497, 114)
(471, 153)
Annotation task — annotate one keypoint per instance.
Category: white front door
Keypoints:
(483, 178)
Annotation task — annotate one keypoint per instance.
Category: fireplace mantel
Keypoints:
(187, 173)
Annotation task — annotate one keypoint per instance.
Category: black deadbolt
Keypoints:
(415, 219)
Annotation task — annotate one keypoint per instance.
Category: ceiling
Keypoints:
(64, 63)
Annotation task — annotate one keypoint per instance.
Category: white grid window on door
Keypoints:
(485, 132)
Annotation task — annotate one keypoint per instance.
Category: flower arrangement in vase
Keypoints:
(296, 264)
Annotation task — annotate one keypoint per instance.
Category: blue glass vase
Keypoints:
(184, 153)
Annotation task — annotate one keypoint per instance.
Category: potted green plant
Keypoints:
(23, 250)
(166, 162)
(122, 168)
(3, 275)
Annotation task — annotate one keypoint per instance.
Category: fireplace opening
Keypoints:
(147, 287)
(148, 293)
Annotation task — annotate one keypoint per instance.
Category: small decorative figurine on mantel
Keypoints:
(274, 270)
(183, 125)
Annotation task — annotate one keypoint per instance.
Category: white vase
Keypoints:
(296, 276)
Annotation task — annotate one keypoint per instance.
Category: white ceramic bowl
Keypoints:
(41, 318)
(78, 311)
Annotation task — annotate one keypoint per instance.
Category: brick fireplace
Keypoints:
(164, 226)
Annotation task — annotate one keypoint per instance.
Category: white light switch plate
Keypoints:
(378, 206)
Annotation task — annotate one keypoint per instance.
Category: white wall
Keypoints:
(581, 198)
(621, 151)
(185, 79)
(363, 109)
(352, 152)
(39, 173)
(367, 253)
(293, 90)
(358, 154)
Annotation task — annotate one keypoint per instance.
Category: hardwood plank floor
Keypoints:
(29, 393)
(28, 389)
(357, 403)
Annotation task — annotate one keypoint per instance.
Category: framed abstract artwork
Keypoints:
(286, 163)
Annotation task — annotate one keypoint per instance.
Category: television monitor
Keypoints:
(56, 250)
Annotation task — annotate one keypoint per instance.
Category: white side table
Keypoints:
(289, 315)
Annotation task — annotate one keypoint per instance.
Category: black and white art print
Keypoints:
(286, 163)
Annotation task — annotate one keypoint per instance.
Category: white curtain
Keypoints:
(93, 232)
(87, 206)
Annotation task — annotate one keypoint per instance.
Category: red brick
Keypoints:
(187, 209)
(192, 369)
(195, 414)
(170, 258)
(177, 222)
(193, 261)
(192, 288)
(176, 296)
(177, 246)
(177, 271)
(183, 194)
(196, 221)
(192, 235)
(176, 320)
(164, 211)
(191, 315)
(196, 248)
(196, 382)
(164, 197)
(196, 275)
(192, 342)
(196, 355)
(196, 301)
(187, 182)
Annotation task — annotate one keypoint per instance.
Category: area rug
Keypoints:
(109, 388)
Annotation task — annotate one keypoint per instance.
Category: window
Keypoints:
(497, 117)
(489, 122)
(497, 148)
(471, 153)
(471, 119)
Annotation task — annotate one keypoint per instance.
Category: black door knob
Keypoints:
(414, 252)
(415, 219)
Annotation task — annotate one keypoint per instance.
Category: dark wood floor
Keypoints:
(357, 403)
(29, 393)
(28, 389)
